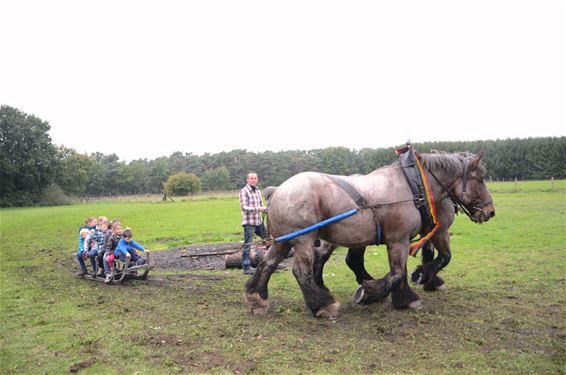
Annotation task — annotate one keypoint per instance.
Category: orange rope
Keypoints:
(416, 245)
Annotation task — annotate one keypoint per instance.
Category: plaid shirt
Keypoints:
(250, 201)
(95, 240)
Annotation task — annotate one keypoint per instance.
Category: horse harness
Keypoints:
(422, 197)
(360, 201)
(408, 161)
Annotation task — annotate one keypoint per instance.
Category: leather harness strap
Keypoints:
(352, 191)
(360, 201)
(408, 161)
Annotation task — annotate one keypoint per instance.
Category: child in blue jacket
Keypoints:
(125, 251)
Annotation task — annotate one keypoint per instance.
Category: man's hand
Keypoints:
(128, 255)
(262, 209)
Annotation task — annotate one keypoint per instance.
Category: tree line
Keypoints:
(34, 170)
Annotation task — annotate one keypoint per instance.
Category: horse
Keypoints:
(310, 197)
(354, 259)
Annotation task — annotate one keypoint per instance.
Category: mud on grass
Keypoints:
(186, 257)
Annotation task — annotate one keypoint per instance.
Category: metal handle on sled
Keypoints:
(320, 224)
(146, 267)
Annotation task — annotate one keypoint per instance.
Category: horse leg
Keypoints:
(431, 280)
(355, 260)
(417, 276)
(428, 252)
(256, 287)
(318, 299)
(321, 255)
(395, 281)
(401, 294)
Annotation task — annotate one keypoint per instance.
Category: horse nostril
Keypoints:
(492, 214)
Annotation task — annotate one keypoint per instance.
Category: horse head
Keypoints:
(463, 177)
(473, 190)
(268, 193)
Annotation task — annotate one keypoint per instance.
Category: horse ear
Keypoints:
(476, 159)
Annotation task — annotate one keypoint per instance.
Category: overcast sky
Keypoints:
(145, 79)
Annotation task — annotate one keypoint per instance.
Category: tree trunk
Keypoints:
(235, 260)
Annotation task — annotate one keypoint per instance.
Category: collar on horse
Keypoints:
(422, 196)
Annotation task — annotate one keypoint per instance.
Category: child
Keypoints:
(109, 247)
(89, 224)
(82, 255)
(104, 227)
(94, 243)
(111, 232)
(125, 251)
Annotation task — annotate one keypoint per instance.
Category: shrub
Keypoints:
(182, 183)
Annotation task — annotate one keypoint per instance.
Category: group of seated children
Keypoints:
(102, 243)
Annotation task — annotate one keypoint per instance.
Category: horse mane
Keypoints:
(449, 163)
(440, 161)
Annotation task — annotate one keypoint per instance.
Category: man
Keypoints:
(252, 208)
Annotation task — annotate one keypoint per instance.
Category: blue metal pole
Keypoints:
(321, 224)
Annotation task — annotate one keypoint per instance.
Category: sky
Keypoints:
(144, 79)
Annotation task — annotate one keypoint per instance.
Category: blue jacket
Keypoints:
(124, 247)
(81, 244)
(82, 240)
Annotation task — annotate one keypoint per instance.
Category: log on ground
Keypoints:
(235, 260)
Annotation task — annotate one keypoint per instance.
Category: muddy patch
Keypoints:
(195, 257)
(82, 365)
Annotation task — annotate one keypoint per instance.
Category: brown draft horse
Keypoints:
(311, 197)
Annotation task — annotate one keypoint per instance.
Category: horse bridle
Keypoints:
(458, 202)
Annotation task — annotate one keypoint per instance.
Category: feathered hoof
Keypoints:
(257, 305)
(372, 291)
(416, 305)
(441, 288)
(329, 312)
(359, 295)
(259, 311)
(417, 276)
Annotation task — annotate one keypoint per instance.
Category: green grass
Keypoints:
(503, 313)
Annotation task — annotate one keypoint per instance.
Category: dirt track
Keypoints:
(177, 259)
(186, 257)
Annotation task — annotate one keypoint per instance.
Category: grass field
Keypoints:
(504, 311)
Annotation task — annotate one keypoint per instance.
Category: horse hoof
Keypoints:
(329, 312)
(359, 296)
(258, 305)
(442, 288)
(417, 276)
(416, 305)
(259, 311)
